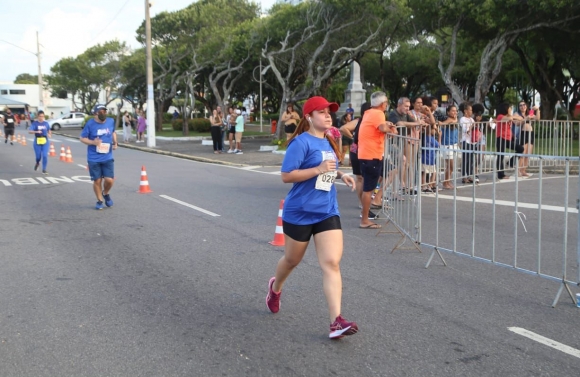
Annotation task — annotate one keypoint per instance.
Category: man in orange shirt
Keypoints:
(371, 148)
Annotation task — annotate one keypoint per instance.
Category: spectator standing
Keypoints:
(449, 141)
(428, 159)
(231, 121)
(290, 118)
(467, 146)
(350, 110)
(216, 127)
(345, 142)
(99, 134)
(371, 149)
(126, 127)
(350, 130)
(141, 127)
(175, 114)
(504, 138)
(524, 118)
(409, 127)
(41, 130)
(223, 128)
(239, 129)
(311, 210)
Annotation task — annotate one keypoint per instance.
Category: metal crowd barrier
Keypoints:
(530, 225)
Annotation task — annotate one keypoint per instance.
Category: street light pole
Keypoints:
(150, 102)
(261, 101)
(40, 96)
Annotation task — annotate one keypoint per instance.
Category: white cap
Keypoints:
(238, 111)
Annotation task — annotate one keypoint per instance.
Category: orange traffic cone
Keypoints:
(51, 151)
(62, 154)
(18, 139)
(68, 155)
(23, 141)
(144, 185)
(279, 234)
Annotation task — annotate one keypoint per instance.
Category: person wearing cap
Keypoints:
(9, 124)
(239, 131)
(311, 210)
(99, 134)
(41, 130)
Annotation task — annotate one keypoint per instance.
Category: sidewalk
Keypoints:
(193, 149)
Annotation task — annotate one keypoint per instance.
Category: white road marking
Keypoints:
(506, 203)
(546, 341)
(250, 167)
(189, 205)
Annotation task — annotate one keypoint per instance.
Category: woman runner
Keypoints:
(311, 209)
(41, 130)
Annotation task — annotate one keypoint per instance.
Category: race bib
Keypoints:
(40, 140)
(103, 148)
(9, 120)
(325, 180)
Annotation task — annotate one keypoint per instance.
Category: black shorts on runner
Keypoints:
(9, 131)
(302, 233)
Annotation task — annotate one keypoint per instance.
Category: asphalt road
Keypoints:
(151, 287)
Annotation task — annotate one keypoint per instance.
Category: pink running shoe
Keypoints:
(341, 327)
(273, 299)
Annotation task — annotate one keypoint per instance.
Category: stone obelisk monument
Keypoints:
(354, 93)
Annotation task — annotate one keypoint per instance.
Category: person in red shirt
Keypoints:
(504, 138)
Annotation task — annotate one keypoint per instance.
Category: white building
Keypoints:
(17, 96)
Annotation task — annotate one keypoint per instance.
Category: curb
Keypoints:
(167, 153)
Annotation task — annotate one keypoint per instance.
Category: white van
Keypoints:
(66, 121)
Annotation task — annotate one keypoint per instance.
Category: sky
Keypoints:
(66, 28)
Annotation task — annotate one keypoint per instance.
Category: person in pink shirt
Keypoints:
(141, 127)
(504, 138)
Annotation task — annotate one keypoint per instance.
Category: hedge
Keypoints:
(195, 124)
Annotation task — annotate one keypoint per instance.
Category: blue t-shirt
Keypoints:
(304, 204)
(105, 132)
(40, 126)
(428, 156)
(449, 136)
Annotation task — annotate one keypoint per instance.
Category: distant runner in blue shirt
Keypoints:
(311, 210)
(99, 134)
(41, 130)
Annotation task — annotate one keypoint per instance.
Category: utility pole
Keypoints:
(261, 100)
(150, 102)
(40, 96)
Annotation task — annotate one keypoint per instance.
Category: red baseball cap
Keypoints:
(318, 103)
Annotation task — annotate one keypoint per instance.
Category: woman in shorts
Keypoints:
(290, 119)
(311, 210)
(523, 118)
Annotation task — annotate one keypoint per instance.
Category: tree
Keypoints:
(95, 70)
(26, 78)
(439, 23)
(307, 44)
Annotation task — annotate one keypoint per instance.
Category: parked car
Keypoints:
(67, 121)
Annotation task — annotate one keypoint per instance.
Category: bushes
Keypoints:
(167, 117)
(197, 124)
